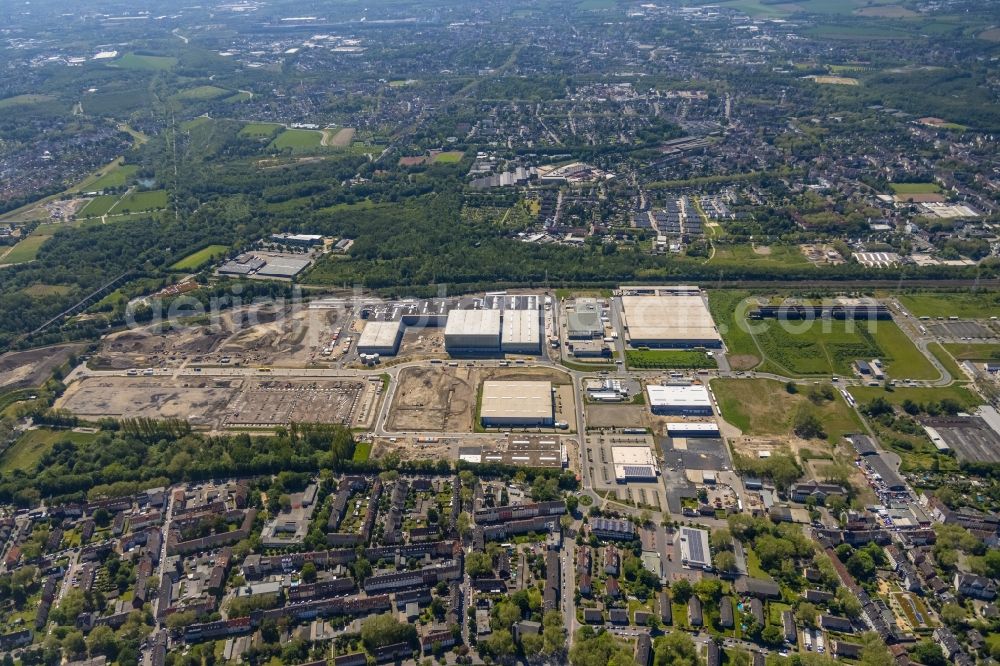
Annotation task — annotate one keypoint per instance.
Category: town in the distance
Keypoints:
(516, 332)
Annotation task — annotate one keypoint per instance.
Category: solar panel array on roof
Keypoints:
(694, 544)
(639, 471)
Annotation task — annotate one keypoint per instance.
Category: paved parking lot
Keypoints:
(961, 329)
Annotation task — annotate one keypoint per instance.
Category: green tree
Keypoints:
(675, 649)
(381, 630)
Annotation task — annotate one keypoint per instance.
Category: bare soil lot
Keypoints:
(218, 403)
(617, 416)
(201, 402)
(31, 368)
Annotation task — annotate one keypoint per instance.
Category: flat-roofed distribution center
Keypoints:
(517, 403)
(680, 320)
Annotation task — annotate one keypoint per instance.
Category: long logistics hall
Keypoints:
(670, 317)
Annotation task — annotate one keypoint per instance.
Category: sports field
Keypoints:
(145, 62)
(765, 407)
(449, 157)
(25, 453)
(914, 188)
(298, 140)
(198, 259)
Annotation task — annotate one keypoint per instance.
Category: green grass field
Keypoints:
(865, 394)
(946, 359)
(189, 125)
(825, 347)
(765, 407)
(99, 205)
(25, 453)
(668, 359)
(27, 249)
(362, 450)
(140, 201)
(964, 304)
(114, 177)
(449, 157)
(202, 93)
(727, 308)
(24, 100)
(260, 130)
(973, 351)
(148, 63)
(297, 140)
(42, 290)
(773, 255)
(201, 257)
(914, 188)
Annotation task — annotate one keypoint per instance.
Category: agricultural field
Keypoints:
(835, 80)
(668, 359)
(824, 347)
(200, 258)
(260, 130)
(27, 249)
(99, 205)
(915, 188)
(149, 63)
(963, 304)
(202, 93)
(297, 140)
(113, 178)
(25, 453)
(761, 407)
(24, 100)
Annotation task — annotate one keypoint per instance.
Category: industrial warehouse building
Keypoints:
(694, 548)
(669, 318)
(634, 463)
(583, 321)
(381, 337)
(472, 331)
(522, 333)
(683, 400)
(692, 430)
(517, 404)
